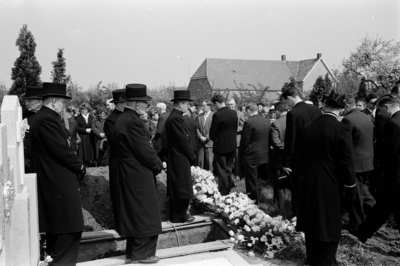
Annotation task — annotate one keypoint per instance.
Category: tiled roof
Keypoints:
(236, 74)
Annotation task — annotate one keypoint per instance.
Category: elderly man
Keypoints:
(223, 133)
(205, 154)
(389, 196)
(138, 163)
(33, 103)
(300, 115)
(361, 128)
(57, 168)
(160, 138)
(327, 169)
(238, 164)
(179, 160)
(254, 148)
(109, 126)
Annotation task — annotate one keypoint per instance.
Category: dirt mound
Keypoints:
(96, 203)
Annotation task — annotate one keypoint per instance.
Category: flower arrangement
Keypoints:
(24, 127)
(255, 229)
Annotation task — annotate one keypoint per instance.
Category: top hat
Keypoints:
(181, 95)
(335, 99)
(117, 96)
(33, 92)
(135, 92)
(56, 90)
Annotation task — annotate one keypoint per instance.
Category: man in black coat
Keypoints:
(187, 116)
(57, 168)
(327, 169)
(389, 191)
(160, 138)
(137, 202)
(223, 134)
(362, 132)
(33, 103)
(180, 158)
(109, 126)
(296, 119)
(254, 148)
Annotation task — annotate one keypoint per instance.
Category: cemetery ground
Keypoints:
(382, 249)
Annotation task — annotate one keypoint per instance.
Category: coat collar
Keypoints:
(298, 104)
(177, 112)
(395, 114)
(49, 111)
(353, 110)
(131, 111)
(116, 111)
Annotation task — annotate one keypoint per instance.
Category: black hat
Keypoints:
(182, 95)
(117, 96)
(55, 90)
(335, 99)
(136, 92)
(33, 92)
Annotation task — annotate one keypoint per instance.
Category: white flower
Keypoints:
(251, 254)
(231, 233)
(246, 228)
(232, 239)
(249, 244)
(240, 237)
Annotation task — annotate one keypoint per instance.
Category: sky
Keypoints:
(162, 43)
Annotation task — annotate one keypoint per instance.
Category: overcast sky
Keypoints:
(164, 42)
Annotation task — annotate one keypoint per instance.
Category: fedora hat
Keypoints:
(33, 92)
(181, 95)
(335, 99)
(117, 96)
(55, 90)
(135, 92)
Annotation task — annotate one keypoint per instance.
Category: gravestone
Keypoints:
(19, 230)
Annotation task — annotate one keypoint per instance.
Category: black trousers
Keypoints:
(251, 175)
(138, 248)
(223, 165)
(63, 248)
(321, 253)
(279, 194)
(178, 210)
(387, 203)
(363, 203)
(295, 190)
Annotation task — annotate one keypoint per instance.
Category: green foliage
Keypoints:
(3, 91)
(362, 90)
(348, 83)
(377, 61)
(322, 87)
(58, 74)
(96, 95)
(290, 84)
(26, 70)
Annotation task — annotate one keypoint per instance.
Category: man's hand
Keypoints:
(203, 139)
(102, 135)
(287, 170)
(88, 130)
(164, 165)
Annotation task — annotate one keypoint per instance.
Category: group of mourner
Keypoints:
(343, 155)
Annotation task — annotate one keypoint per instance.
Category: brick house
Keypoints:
(236, 75)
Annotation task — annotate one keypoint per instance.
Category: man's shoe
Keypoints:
(189, 220)
(148, 260)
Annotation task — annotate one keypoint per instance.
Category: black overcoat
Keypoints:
(109, 126)
(192, 130)
(223, 130)
(73, 130)
(301, 114)
(57, 167)
(86, 146)
(28, 115)
(180, 157)
(327, 168)
(137, 202)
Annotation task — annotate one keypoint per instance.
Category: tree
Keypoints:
(377, 61)
(290, 84)
(348, 83)
(362, 90)
(58, 73)
(322, 87)
(26, 70)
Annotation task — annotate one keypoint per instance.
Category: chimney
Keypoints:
(283, 57)
(319, 55)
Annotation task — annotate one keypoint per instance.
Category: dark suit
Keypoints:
(179, 160)
(86, 147)
(296, 119)
(137, 202)
(389, 190)
(57, 166)
(361, 129)
(223, 134)
(237, 169)
(278, 131)
(253, 151)
(160, 138)
(73, 130)
(193, 131)
(109, 126)
(327, 169)
(28, 115)
(205, 155)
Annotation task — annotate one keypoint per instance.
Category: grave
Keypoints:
(19, 233)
